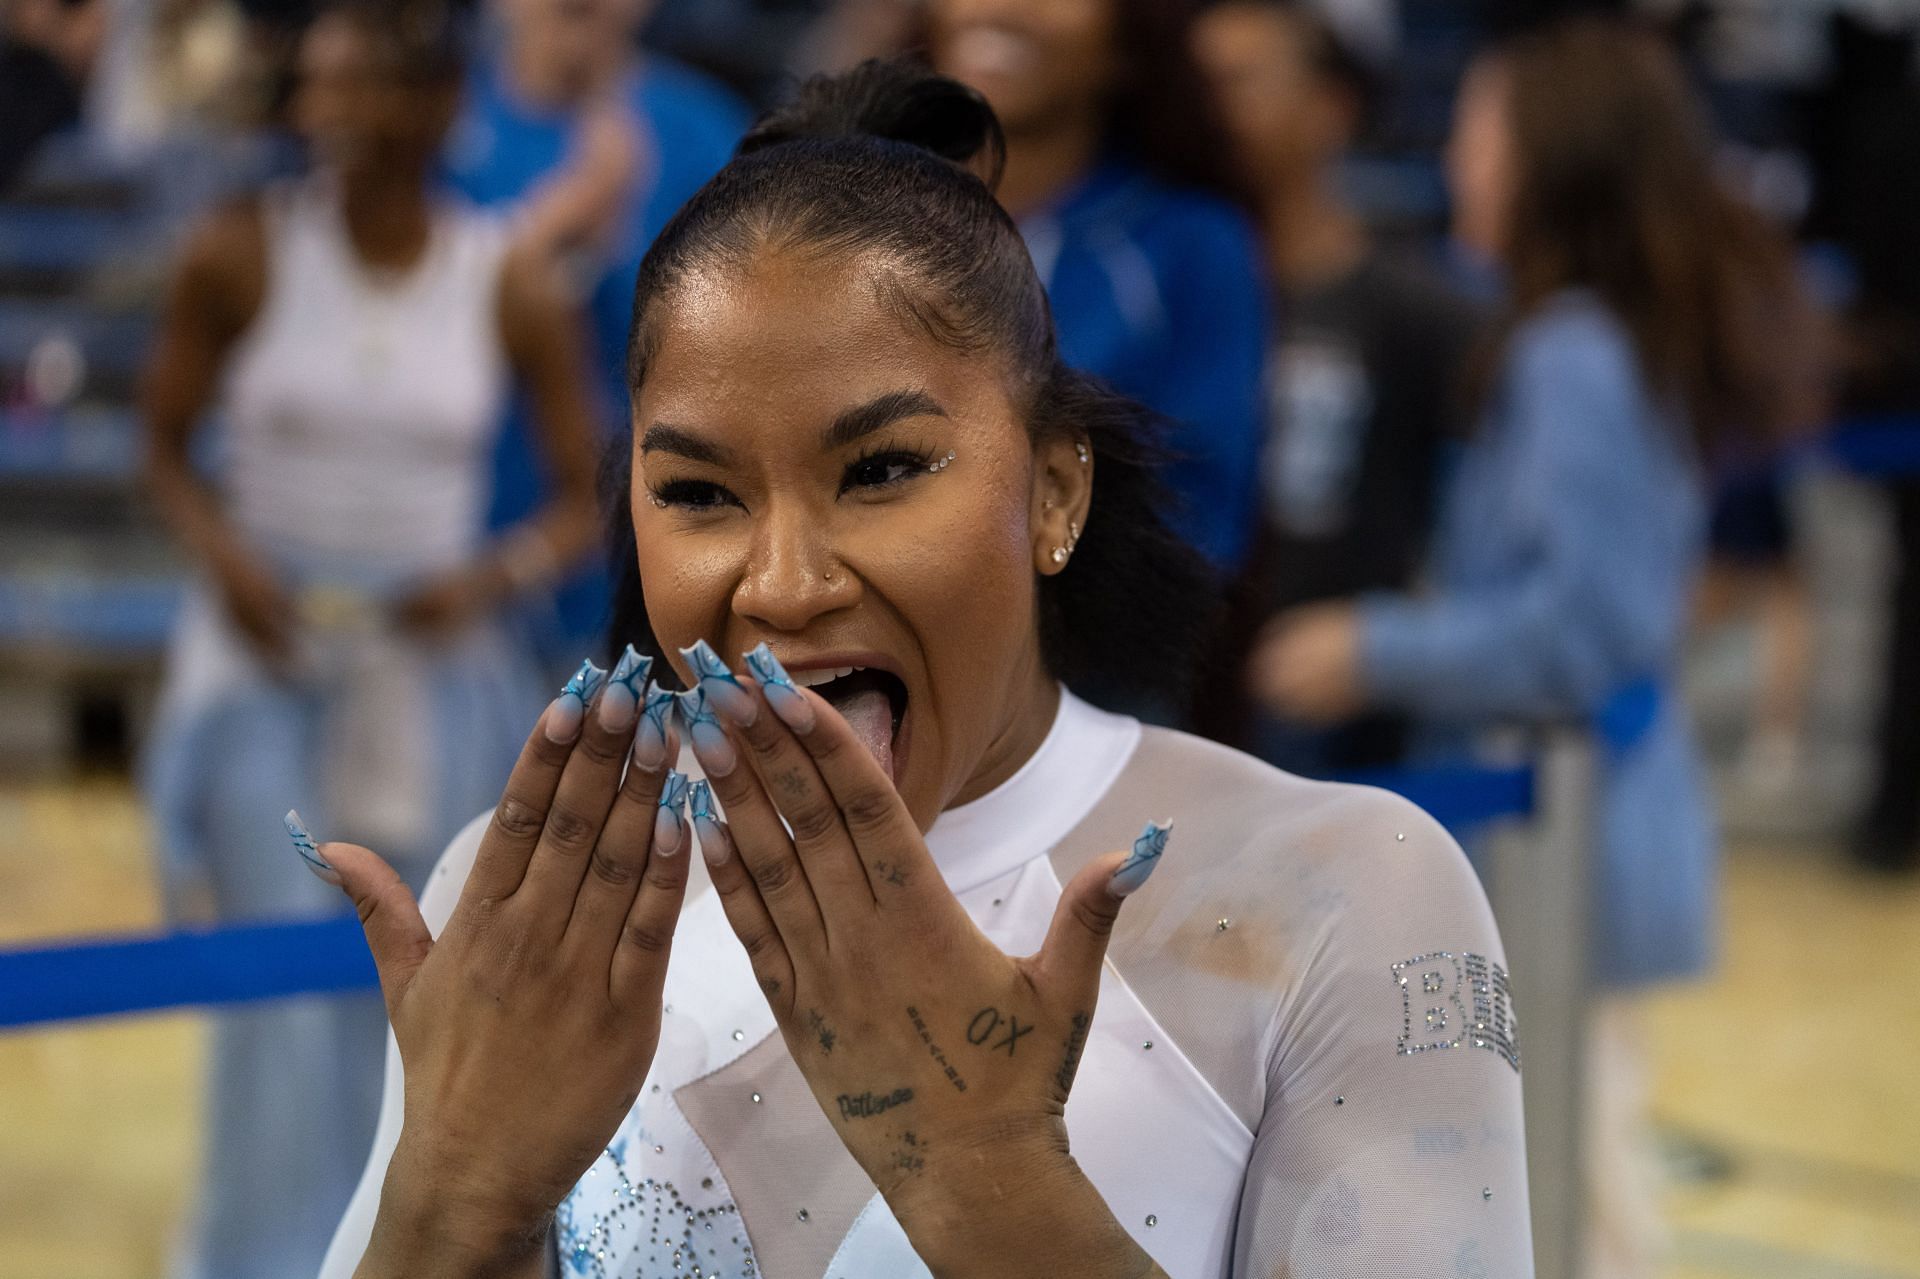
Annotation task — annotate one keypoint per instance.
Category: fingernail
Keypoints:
(710, 743)
(565, 714)
(650, 739)
(1140, 862)
(721, 686)
(794, 710)
(715, 844)
(622, 698)
(310, 851)
(669, 826)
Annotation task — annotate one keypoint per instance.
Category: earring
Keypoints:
(1073, 534)
(934, 468)
(1080, 451)
(1059, 555)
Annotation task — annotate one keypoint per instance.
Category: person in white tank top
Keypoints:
(346, 641)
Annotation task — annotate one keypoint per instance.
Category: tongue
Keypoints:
(869, 712)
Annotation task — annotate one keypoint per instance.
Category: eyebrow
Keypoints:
(855, 423)
(877, 414)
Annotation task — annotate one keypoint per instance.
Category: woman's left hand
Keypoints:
(943, 1063)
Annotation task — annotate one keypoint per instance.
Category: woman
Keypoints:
(357, 335)
(1652, 321)
(1115, 173)
(859, 459)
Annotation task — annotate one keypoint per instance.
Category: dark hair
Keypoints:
(423, 42)
(871, 162)
(1615, 191)
(1327, 53)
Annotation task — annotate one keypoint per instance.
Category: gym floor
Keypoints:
(1790, 1127)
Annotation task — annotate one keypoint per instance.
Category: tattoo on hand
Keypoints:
(890, 873)
(926, 1037)
(908, 1157)
(988, 1021)
(1076, 1044)
(868, 1104)
(823, 1032)
(794, 786)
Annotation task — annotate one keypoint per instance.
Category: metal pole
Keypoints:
(1539, 882)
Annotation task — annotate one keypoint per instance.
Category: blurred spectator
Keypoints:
(1653, 320)
(47, 48)
(1363, 381)
(1870, 207)
(1116, 172)
(344, 653)
(593, 146)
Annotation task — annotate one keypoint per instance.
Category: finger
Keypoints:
(885, 842)
(760, 839)
(790, 775)
(746, 912)
(396, 933)
(623, 853)
(582, 800)
(638, 971)
(521, 814)
(1076, 942)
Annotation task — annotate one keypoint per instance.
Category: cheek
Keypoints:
(687, 580)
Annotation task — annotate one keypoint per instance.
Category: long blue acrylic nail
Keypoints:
(650, 739)
(715, 844)
(564, 715)
(308, 850)
(794, 710)
(723, 689)
(669, 825)
(711, 745)
(1141, 862)
(624, 684)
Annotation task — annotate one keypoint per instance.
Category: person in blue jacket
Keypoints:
(594, 144)
(1653, 322)
(1115, 173)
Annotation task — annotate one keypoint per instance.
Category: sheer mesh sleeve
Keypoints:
(1391, 1140)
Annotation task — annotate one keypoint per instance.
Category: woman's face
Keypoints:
(355, 110)
(1480, 162)
(782, 492)
(1035, 61)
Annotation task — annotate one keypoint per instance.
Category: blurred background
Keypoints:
(257, 254)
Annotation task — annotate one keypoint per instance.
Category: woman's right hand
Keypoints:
(256, 602)
(527, 1027)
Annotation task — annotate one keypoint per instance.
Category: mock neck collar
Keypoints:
(1030, 812)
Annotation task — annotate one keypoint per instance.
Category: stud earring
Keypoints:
(1073, 534)
(934, 468)
(1059, 555)
(1080, 451)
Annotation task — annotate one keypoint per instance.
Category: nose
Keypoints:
(792, 576)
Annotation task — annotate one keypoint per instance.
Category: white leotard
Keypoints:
(1303, 1061)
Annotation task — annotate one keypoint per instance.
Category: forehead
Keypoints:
(795, 337)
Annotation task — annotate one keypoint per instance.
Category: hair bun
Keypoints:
(896, 99)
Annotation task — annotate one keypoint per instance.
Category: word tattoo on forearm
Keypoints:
(934, 1050)
(821, 1031)
(869, 1104)
(1076, 1044)
(987, 1022)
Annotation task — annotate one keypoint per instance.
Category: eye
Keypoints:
(883, 469)
(693, 495)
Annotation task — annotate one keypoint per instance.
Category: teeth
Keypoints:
(813, 679)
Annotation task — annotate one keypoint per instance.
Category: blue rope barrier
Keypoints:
(244, 963)
(228, 965)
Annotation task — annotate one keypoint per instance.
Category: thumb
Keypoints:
(1083, 921)
(396, 933)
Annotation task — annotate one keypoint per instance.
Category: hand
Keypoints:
(527, 1028)
(446, 604)
(1306, 664)
(943, 1064)
(256, 602)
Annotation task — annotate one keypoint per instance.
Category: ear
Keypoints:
(1062, 495)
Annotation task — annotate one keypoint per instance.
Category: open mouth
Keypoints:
(872, 701)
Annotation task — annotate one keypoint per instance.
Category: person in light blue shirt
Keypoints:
(1116, 175)
(1653, 322)
(596, 146)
